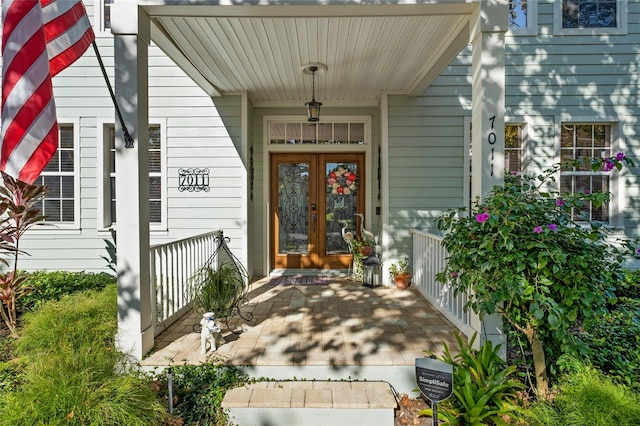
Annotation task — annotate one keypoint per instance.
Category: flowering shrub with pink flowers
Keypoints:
(521, 253)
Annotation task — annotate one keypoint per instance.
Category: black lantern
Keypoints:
(313, 106)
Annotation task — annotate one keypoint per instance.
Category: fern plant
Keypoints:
(483, 391)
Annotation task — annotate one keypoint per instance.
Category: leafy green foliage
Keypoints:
(630, 285)
(199, 390)
(70, 369)
(588, 398)
(18, 214)
(52, 285)
(521, 253)
(483, 390)
(613, 341)
(217, 289)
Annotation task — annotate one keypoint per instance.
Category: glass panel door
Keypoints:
(314, 197)
(293, 208)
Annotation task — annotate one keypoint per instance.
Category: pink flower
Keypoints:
(454, 274)
(537, 229)
(559, 202)
(620, 156)
(483, 217)
(553, 227)
(587, 191)
(608, 165)
(514, 173)
(331, 181)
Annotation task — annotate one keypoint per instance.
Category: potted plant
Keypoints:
(400, 273)
(217, 289)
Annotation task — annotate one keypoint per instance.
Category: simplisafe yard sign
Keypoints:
(435, 380)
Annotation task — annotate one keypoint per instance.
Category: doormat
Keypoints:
(298, 280)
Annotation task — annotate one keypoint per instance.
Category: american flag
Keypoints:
(40, 38)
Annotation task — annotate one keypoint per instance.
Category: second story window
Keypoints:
(596, 17)
(517, 14)
(589, 14)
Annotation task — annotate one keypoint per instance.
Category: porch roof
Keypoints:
(367, 48)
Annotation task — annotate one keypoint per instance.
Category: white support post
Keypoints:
(131, 29)
(488, 27)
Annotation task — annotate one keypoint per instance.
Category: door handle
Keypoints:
(313, 219)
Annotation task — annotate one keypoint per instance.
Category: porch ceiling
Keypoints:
(367, 49)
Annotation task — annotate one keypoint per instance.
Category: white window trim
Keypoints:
(616, 204)
(621, 19)
(532, 21)
(104, 222)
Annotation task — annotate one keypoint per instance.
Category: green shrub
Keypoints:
(53, 285)
(629, 286)
(199, 390)
(613, 341)
(483, 392)
(70, 369)
(588, 398)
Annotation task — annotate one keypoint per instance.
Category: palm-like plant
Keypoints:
(18, 208)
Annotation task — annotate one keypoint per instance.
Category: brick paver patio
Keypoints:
(328, 322)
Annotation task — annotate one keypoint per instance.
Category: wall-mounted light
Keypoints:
(313, 106)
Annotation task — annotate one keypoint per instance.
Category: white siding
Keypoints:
(200, 133)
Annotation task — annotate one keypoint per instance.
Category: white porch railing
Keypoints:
(429, 258)
(171, 266)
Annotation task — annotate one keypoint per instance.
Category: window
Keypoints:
(517, 14)
(155, 175)
(102, 15)
(523, 17)
(591, 16)
(106, 14)
(316, 133)
(580, 141)
(59, 203)
(513, 143)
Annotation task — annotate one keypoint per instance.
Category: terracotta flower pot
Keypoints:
(365, 250)
(402, 281)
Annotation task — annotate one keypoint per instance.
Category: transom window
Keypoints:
(316, 133)
(589, 14)
(59, 202)
(585, 141)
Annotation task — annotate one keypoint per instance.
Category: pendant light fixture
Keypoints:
(313, 106)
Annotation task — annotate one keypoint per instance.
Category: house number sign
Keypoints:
(193, 180)
(492, 138)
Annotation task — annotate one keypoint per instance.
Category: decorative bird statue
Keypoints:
(347, 236)
(367, 236)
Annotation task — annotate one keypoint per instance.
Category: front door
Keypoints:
(314, 197)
